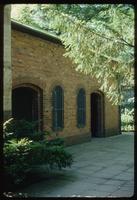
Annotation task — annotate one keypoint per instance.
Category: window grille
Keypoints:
(81, 108)
(58, 108)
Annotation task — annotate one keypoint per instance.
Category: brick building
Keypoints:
(46, 87)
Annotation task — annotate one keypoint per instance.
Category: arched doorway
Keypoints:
(97, 114)
(26, 104)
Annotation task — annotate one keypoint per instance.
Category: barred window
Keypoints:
(58, 108)
(81, 108)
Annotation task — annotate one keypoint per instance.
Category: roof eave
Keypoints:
(27, 29)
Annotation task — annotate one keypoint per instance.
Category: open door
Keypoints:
(97, 115)
(26, 104)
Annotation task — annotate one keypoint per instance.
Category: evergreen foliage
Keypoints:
(21, 153)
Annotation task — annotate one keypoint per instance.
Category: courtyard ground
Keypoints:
(102, 167)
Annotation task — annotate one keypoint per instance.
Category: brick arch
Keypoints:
(54, 84)
(80, 86)
(98, 92)
(36, 82)
(29, 85)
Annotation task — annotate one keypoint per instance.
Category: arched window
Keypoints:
(58, 108)
(81, 108)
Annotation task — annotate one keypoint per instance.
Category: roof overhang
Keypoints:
(37, 33)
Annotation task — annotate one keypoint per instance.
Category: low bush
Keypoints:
(22, 154)
(16, 160)
(22, 128)
(127, 120)
(56, 141)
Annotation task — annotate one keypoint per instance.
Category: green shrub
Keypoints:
(127, 119)
(25, 148)
(56, 141)
(37, 136)
(21, 155)
(127, 110)
(51, 155)
(15, 159)
(22, 128)
(58, 157)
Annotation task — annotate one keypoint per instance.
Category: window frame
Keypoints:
(81, 109)
(55, 110)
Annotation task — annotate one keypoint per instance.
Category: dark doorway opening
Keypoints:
(97, 115)
(26, 104)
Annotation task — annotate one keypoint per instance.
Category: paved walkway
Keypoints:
(103, 167)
